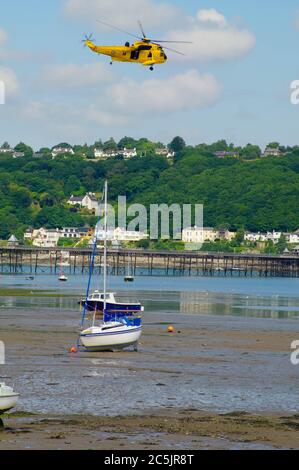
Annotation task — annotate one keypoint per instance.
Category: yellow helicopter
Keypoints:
(145, 51)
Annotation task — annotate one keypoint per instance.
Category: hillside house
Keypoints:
(89, 201)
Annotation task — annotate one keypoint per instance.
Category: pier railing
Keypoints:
(31, 260)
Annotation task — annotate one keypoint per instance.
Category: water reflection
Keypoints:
(206, 303)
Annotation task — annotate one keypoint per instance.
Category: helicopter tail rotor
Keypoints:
(87, 38)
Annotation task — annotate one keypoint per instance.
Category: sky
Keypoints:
(233, 82)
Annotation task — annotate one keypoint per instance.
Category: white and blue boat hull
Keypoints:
(99, 338)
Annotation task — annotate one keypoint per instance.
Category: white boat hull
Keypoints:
(7, 403)
(98, 339)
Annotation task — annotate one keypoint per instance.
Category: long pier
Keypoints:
(31, 260)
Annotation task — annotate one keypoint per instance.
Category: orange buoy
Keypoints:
(73, 350)
(170, 329)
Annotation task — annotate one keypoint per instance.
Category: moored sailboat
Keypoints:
(119, 328)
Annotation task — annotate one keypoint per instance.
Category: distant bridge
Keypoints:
(31, 260)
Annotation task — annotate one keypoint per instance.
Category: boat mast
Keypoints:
(105, 247)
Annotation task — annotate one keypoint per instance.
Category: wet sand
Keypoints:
(216, 383)
(178, 429)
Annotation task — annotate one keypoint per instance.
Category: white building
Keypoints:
(62, 151)
(272, 152)
(121, 235)
(199, 234)
(104, 154)
(46, 238)
(255, 237)
(128, 153)
(5, 150)
(74, 232)
(89, 201)
(49, 238)
(164, 152)
(292, 238)
(263, 237)
(18, 155)
(205, 234)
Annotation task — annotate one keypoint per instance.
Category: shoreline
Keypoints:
(161, 429)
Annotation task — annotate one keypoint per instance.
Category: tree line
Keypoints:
(256, 194)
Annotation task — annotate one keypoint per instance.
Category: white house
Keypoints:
(18, 155)
(205, 234)
(128, 153)
(121, 235)
(263, 237)
(104, 154)
(6, 150)
(164, 152)
(274, 236)
(272, 152)
(46, 238)
(61, 151)
(89, 201)
(199, 234)
(292, 238)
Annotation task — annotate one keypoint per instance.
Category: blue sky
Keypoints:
(234, 82)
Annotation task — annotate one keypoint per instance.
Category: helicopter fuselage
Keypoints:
(142, 52)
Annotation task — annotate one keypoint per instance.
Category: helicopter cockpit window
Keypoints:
(127, 44)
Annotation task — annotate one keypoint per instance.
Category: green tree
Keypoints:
(177, 144)
(21, 147)
(110, 144)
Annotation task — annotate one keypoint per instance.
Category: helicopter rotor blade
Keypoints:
(120, 30)
(173, 50)
(142, 30)
(174, 42)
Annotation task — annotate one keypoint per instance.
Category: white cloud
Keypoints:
(10, 80)
(189, 90)
(213, 38)
(211, 16)
(75, 76)
(124, 14)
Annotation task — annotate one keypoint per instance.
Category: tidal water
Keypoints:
(199, 367)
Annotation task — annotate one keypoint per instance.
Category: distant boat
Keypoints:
(8, 398)
(129, 277)
(62, 276)
(119, 328)
(30, 278)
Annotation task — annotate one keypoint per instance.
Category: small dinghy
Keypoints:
(8, 398)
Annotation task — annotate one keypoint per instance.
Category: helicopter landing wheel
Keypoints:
(151, 69)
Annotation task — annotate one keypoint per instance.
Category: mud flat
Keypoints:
(216, 382)
(178, 429)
